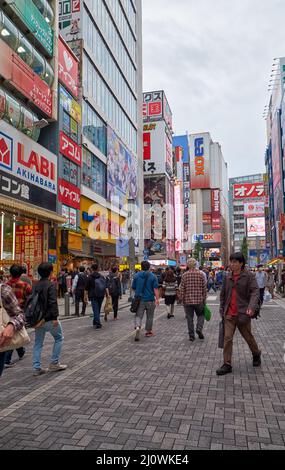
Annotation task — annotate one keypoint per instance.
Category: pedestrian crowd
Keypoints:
(241, 297)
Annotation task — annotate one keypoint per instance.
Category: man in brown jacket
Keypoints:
(238, 303)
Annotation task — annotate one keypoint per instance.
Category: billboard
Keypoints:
(121, 171)
(277, 167)
(178, 213)
(155, 221)
(216, 209)
(70, 19)
(157, 149)
(70, 149)
(208, 237)
(200, 161)
(254, 209)
(16, 71)
(256, 227)
(28, 171)
(249, 190)
(67, 68)
(153, 105)
(68, 194)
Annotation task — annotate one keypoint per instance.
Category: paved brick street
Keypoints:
(161, 393)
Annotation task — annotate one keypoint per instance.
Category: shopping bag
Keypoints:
(221, 334)
(20, 338)
(207, 313)
(267, 296)
(108, 306)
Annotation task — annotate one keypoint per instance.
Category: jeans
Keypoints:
(56, 332)
(125, 286)
(149, 308)
(199, 310)
(2, 362)
(8, 358)
(96, 306)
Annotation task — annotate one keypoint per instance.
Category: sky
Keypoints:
(214, 59)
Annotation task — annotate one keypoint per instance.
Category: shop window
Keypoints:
(2, 103)
(13, 111)
(49, 74)
(25, 50)
(38, 64)
(8, 240)
(27, 122)
(70, 172)
(44, 7)
(94, 173)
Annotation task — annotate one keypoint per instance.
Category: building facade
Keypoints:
(28, 107)
(247, 204)
(106, 38)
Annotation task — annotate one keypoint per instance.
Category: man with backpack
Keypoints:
(96, 288)
(115, 289)
(46, 306)
(78, 290)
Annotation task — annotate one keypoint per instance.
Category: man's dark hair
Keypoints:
(45, 270)
(16, 270)
(95, 267)
(145, 266)
(114, 269)
(82, 269)
(24, 270)
(238, 257)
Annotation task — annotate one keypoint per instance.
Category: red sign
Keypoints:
(146, 146)
(68, 194)
(245, 191)
(22, 77)
(29, 245)
(207, 219)
(67, 68)
(70, 149)
(216, 210)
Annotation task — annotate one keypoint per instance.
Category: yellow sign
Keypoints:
(74, 241)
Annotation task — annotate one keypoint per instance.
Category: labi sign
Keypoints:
(35, 21)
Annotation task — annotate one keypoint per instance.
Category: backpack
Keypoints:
(113, 285)
(100, 286)
(35, 309)
(82, 281)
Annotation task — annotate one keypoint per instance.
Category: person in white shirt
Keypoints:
(261, 278)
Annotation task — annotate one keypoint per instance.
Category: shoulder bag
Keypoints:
(20, 338)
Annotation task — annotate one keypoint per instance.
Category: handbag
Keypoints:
(137, 300)
(221, 333)
(108, 308)
(20, 338)
(207, 313)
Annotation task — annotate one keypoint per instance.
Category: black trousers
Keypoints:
(261, 295)
(115, 302)
(79, 297)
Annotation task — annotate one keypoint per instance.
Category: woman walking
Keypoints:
(170, 287)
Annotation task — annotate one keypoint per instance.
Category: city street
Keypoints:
(160, 393)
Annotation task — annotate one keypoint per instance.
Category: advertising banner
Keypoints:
(207, 219)
(68, 194)
(121, 171)
(29, 248)
(216, 209)
(155, 221)
(157, 149)
(277, 167)
(186, 199)
(35, 22)
(256, 227)
(153, 105)
(249, 191)
(178, 217)
(70, 215)
(70, 19)
(70, 149)
(16, 71)
(70, 105)
(208, 237)
(28, 170)
(67, 68)
(200, 161)
(254, 209)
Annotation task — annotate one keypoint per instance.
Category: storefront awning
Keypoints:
(7, 203)
(274, 261)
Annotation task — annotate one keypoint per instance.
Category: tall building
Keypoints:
(160, 190)
(274, 161)
(106, 37)
(209, 198)
(247, 201)
(28, 107)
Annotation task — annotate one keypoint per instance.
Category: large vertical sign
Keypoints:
(186, 199)
(153, 106)
(178, 217)
(200, 161)
(157, 149)
(70, 19)
(277, 167)
(29, 248)
(67, 68)
(216, 209)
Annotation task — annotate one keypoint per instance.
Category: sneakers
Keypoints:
(137, 335)
(38, 372)
(149, 334)
(191, 338)
(9, 365)
(168, 316)
(256, 360)
(56, 367)
(200, 334)
(22, 357)
(225, 369)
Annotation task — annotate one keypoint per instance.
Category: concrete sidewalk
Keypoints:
(123, 304)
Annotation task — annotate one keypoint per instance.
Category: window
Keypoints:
(70, 127)
(94, 173)
(70, 172)
(94, 128)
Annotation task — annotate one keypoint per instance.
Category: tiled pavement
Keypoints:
(161, 393)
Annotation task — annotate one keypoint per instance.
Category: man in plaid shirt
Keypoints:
(17, 321)
(22, 291)
(193, 294)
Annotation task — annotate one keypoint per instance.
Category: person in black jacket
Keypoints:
(115, 289)
(96, 288)
(78, 290)
(50, 324)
